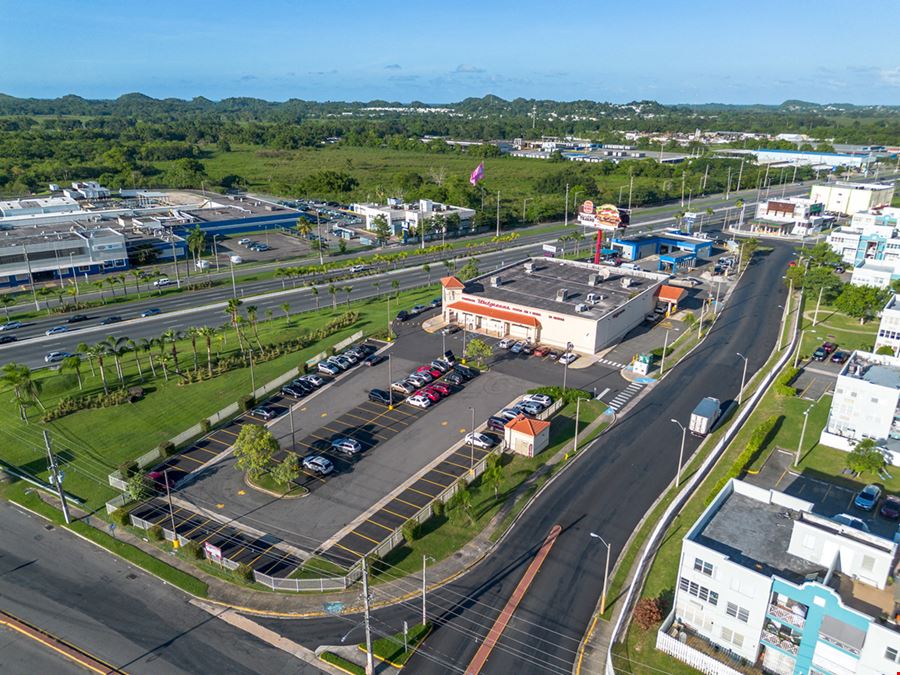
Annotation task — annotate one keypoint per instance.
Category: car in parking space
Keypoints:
(527, 349)
(436, 302)
(529, 408)
(454, 378)
(517, 347)
(374, 359)
(465, 371)
(11, 325)
(346, 445)
(77, 318)
(153, 311)
(328, 368)
(340, 362)
(303, 385)
(321, 466)
(541, 351)
(867, 498)
(442, 389)
(404, 387)
(350, 355)
(381, 396)
(553, 355)
(890, 507)
(542, 399)
(829, 347)
(839, 357)
(293, 390)
(425, 374)
(366, 349)
(110, 319)
(56, 357)
(568, 358)
(4, 339)
(418, 309)
(263, 412)
(819, 354)
(245, 242)
(418, 379)
(651, 318)
(495, 423)
(56, 329)
(431, 370)
(479, 440)
(403, 315)
(419, 401)
(506, 343)
(450, 329)
(852, 521)
(313, 379)
(440, 365)
(507, 414)
(160, 478)
(430, 394)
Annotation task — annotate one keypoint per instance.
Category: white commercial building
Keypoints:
(850, 198)
(865, 404)
(878, 274)
(36, 206)
(799, 215)
(889, 328)
(554, 302)
(401, 217)
(770, 584)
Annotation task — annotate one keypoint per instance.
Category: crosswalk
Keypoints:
(625, 395)
(611, 364)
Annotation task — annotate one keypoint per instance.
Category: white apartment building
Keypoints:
(871, 236)
(865, 403)
(402, 217)
(878, 274)
(772, 584)
(889, 328)
(849, 198)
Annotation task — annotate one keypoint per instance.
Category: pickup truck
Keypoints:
(704, 416)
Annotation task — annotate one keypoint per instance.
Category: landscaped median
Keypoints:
(394, 650)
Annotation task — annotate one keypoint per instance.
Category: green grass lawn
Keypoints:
(833, 326)
(94, 442)
(394, 650)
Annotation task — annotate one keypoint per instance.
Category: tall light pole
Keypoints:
(802, 434)
(216, 252)
(472, 442)
(577, 409)
(569, 346)
(233, 284)
(662, 365)
(175, 260)
(252, 376)
(425, 559)
(566, 222)
(498, 213)
(319, 235)
(743, 379)
(605, 573)
(681, 452)
(390, 386)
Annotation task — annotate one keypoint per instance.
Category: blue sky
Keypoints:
(442, 51)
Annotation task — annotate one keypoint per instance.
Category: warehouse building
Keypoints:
(849, 198)
(677, 251)
(553, 302)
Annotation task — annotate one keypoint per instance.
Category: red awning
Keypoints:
(493, 313)
(671, 294)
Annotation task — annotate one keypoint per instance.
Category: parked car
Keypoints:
(374, 359)
(351, 356)
(553, 355)
(819, 354)
(366, 349)
(321, 466)
(153, 311)
(245, 241)
(4, 339)
(419, 401)
(293, 390)
(11, 325)
(263, 412)
(341, 362)
(110, 319)
(442, 366)
(568, 358)
(304, 385)
(77, 318)
(404, 387)
(346, 445)
(527, 349)
(495, 423)
(479, 440)
(381, 396)
(465, 371)
(541, 351)
(542, 399)
(442, 389)
(431, 370)
(852, 521)
(529, 408)
(890, 507)
(160, 479)
(402, 315)
(829, 347)
(507, 414)
(454, 378)
(313, 379)
(56, 357)
(56, 329)
(450, 329)
(868, 497)
(506, 343)
(328, 368)
(839, 357)
(419, 379)
(436, 302)
(430, 394)
(517, 347)
(418, 309)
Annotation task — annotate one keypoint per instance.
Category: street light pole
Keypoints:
(390, 386)
(171, 510)
(233, 284)
(605, 573)
(802, 434)
(569, 346)
(577, 408)
(743, 379)
(319, 235)
(472, 442)
(216, 252)
(681, 452)
(252, 377)
(566, 222)
(662, 365)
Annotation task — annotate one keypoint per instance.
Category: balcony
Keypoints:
(775, 640)
(785, 614)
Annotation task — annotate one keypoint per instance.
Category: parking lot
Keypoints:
(281, 247)
(829, 497)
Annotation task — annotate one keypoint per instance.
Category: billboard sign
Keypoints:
(587, 207)
(549, 250)
(214, 553)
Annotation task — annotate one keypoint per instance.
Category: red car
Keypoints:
(541, 351)
(430, 394)
(431, 370)
(829, 347)
(442, 389)
(435, 390)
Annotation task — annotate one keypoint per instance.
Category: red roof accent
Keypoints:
(452, 282)
(671, 294)
(527, 426)
(501, 314)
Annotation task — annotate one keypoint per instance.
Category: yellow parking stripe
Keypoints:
(415, 506)
(346, 548)
(204, 522)
(360, 534)
(261, 555)
(461, 466)
(424, 494)
(433, 483)
(389, 529)
(454, 477)
(394, 513)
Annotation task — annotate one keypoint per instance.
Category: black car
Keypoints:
(402, 315)
(467, 372)
(496, 424)
(366, 349)
(374, 359)
(110, 319)
(7, 338)
(77, 318)
(454, 378)
(819, 354)
(293, 390)
(380, 396)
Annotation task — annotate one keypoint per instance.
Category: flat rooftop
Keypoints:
(881, 370)
(538, 289)
(756, 535)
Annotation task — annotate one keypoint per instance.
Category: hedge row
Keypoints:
(71, 404)
(758, 440)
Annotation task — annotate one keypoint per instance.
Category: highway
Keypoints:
(606, 492)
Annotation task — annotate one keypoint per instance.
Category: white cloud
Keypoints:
(891, 76)
(468, 68)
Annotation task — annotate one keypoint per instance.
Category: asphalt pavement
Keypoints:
(109, 608)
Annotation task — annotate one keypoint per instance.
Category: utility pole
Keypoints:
(365, 579)
(175, 543)
(175, 260)
(37, 306)
(802, 434)
(216, 252)
(682, 189)
(498, 213)
(705, 176)
(630, 190)
(728, 186)
(567, 205)
(319, 235)
(818, 302)
(233, 284)
(740, 173)
(662, 365)
(56, 477)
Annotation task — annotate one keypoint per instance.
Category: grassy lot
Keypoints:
(834, 327)
(92, 443)
(441, 536)
(317, 568)
(391, 648)
(341, 663)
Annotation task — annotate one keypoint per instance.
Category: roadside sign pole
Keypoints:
(365, 579)
(56, 477)
(423, 589)
(577, 409)
(175, 544)
(662, 365)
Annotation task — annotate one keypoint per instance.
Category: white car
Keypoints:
(313, 379)
(506, 343)
(357, 268)
(244, 242)
(567, 358)
(543, 399)
(347, 446)
(11, 325)
(236, 259)
(202, 264)
(321, 466)
(56, 329)
(55, 357)
(164, 281)
(479, 440)
(419, 401)
(328, 368)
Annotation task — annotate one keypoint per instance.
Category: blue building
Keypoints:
(677, 251)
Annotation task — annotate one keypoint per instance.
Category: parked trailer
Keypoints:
(704, 416)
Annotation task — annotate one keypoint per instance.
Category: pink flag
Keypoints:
(477, 174)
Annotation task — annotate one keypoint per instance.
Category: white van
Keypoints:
(163, 281)
(236, 259)
(202, 264)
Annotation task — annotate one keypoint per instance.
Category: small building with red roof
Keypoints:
(527, 436)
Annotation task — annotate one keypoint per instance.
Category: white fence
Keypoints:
(705, 664)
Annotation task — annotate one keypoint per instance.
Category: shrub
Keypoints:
(155, 533)
(127, 469)
(411, 530)
(166, 449)
(205, 426)
(758, 441)
(885, 350)
(244, 573)
(648, 613)
(246, 402)
(569, 396)
(121, 517)
(438, 509)
(782, 386)
(194, 551)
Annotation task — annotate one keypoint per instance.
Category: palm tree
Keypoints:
(7, 300)
(251, 315)
(196, 242)
(72, 363)
(193, 333)
(348, 290)
(232, 309)
(136, 275)
(121, 278)
(99, 286)
(73, 292)
(117, 346)
(286, 308)
(333, 290)
(133, 347)
(377, 286)
(25, 388)
(427, 269)
(172, 337)
(577, 236)
(146, 345)
(85, 350)
(207, 332)
(99, 350)
(396, 286)
(282, 273)
(111, 282)
(45, 293)
(315, 292)
(303, 227)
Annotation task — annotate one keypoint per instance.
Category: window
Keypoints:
(734, 638)
(868, 563)
(890, 654)
(739, 613)
(698, 591)
(703, 567)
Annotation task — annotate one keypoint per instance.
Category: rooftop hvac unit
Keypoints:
(562, 294)
(581, 307)
(604, 274)
(592, 279)
(529, 267)
(496, 281)
(626, 282)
